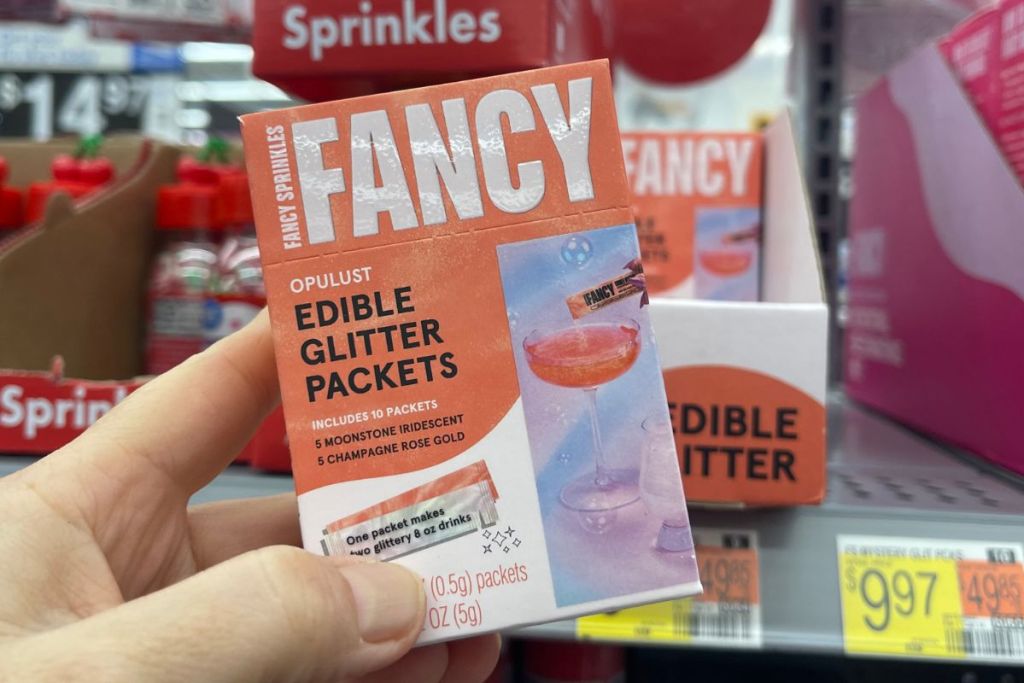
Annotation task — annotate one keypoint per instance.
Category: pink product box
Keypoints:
(972, 51)
(1009, 125)
(936, 327)
(986, 52)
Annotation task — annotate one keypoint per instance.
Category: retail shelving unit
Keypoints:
(884, 481)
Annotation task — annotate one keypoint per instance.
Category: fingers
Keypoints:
(459, 661)
(225, 529)
(277, 614)
(222, 530)
(189, 423)
(426, 664)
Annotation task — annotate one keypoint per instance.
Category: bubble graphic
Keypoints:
(556, 414)
(577, 251)
(513, 319)
(597, 522)
(564, 458)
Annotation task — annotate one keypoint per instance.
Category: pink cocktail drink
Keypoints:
(585, 356)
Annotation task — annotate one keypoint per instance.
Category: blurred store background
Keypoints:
(918, 381)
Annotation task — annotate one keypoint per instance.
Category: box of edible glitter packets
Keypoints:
(469, 374)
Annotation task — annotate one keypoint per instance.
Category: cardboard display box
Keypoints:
(73, 284)
(72, 291)
(42, 411)
(746, 382)
(322, 49)
(936, 285)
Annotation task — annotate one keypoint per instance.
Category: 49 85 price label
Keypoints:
(728, 614)
(925, 598)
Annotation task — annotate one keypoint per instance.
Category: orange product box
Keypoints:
(697, 199)
(746, 381)
(468, 371)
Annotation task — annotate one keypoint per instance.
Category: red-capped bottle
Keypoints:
(188, 218)
(237, 293)
(77, 174)
(12, 204)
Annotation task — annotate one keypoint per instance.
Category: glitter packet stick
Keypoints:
(418, 526)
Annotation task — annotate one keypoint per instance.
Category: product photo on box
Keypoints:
(697, 199)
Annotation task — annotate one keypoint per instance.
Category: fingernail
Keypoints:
(389, 600)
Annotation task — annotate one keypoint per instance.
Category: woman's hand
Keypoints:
(107, 575)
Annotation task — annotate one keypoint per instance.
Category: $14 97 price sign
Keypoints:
(38, 105)
(924, 598)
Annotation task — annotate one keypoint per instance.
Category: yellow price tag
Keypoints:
(899, 605)
(728, 613)
(932, 598)
(657, 622)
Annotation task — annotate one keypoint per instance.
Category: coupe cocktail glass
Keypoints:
(585, 356)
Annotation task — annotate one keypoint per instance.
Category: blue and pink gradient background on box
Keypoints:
(600, 555)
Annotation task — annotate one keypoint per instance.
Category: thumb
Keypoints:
(274, 614)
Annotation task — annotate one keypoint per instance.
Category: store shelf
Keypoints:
(235, 482)
(884, 480)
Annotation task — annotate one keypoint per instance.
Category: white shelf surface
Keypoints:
(883, 480)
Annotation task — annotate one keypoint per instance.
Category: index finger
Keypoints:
(189, 423)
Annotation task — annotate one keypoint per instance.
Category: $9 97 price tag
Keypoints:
(922, 598)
